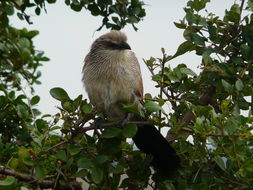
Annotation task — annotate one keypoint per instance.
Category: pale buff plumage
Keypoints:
(111, 76)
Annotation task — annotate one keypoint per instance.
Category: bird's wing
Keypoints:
(138, 83)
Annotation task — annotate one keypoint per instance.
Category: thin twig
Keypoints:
(161, 87)
(56, 145)
(56, 181)
(241, 7)
(232, 181)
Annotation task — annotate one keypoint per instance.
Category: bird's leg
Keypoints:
(98, 122)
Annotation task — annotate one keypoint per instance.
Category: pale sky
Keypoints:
(65, 37)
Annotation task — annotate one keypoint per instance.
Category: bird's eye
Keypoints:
(117, 46)
(111, 45)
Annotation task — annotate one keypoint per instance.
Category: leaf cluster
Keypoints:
(116, 14)
(212, 110)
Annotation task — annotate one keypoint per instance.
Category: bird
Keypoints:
(111, 74)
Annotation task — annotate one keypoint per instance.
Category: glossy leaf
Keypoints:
(59, 94)
(8, 181)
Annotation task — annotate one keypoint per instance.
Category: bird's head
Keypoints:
(114, 40)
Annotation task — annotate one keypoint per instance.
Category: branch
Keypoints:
(104, 125)
(80, 129)
(43, 184)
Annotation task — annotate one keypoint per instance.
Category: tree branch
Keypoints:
(43, 184)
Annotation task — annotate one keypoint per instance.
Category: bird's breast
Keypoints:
(113, 80)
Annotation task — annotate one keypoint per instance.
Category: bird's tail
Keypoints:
(150, 141)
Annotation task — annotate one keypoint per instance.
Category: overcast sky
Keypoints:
(65, 37)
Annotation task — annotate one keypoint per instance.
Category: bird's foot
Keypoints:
(125, 120)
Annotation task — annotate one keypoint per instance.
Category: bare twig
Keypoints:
(163, 90)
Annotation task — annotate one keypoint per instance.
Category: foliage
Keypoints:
(116, 14)
(211, 122)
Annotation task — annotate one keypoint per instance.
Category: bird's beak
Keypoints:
(124, 45)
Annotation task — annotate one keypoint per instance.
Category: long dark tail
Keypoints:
(150, 141)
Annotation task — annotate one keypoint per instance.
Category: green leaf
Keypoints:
(28, 161)
(24, 43)
(239, 85)
(230, 127)
(84, 163)
(228, 87)
(3, 101)
(199, 4)
(61, 155)
(81, 173)
(24, 188)
(35, 100)
(220, 162)
(199, 40)
(187, 71)
(73, 149)
(76, 7)
(129, 130)
(51, 1)
(157, 77)
(111, 132)
(150, 62)
(59, 94)
(248, 165)
(118, 169)
(180, 25)
(250, 4)
(202, 186)
(8, 9)
(172, 76)
(226, 105)
(101, 159)
(32, 33)
(67, 2)
(37, 11)
(233, 14)
(55, 128)
(183, 48)
(96, 174)
(8, 181)
(151, 106)
(41, 124)
(166, 185)
(133, 108)
(115, 19)
(109, 146)
(198, 125)
(245, 49)
(22, 111)
(67, 105)
(40, 172)
(87, 108)
(14, 163)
